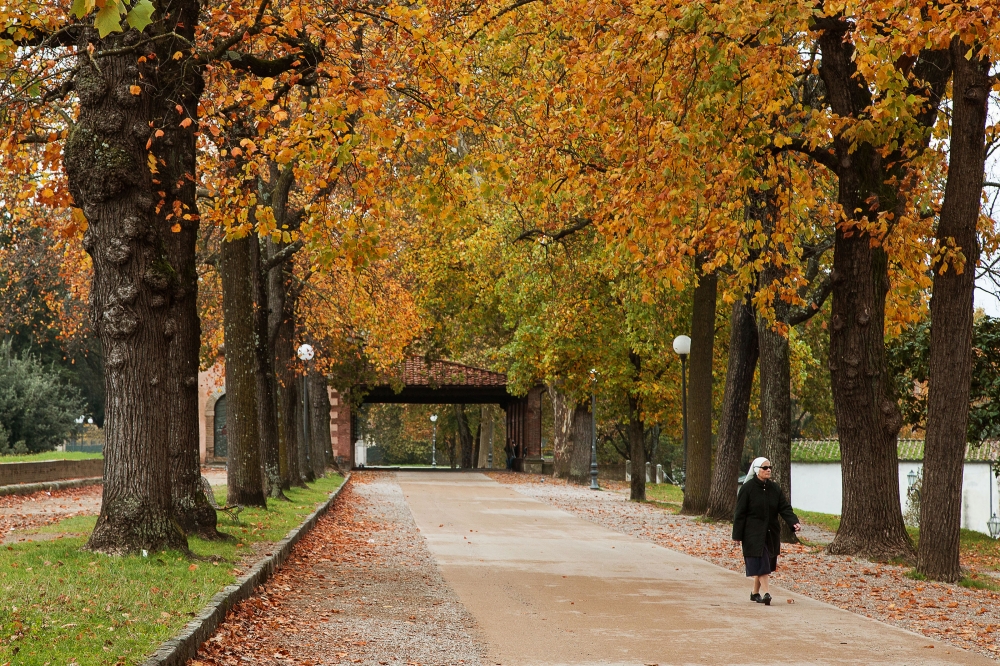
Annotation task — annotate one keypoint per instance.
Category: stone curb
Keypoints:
(184, 646)
(29, 488)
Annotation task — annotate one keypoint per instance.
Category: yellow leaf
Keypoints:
(267, 83)
(176, 227)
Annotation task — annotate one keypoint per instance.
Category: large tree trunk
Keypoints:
(743, 352)
(319, 417)
(580, 455)
(562, 437)
(485, 437)
(698, 479)
(868, 418)
(281, 329)
(305, 464)
(950, 371)
(464, 437)
(637, 451)
(267, 408)
(776, 410)
(105, 161)
(244, 469)
(177, 155)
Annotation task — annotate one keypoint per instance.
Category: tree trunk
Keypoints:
(579, 462)
(305, 459)
(281, 331)
(267, 408)
(319, 404)
(698, 479)
(562, 437)
(950, 366)
(244, 468)
(637, 451)
(776, 410)
(743, 352)
(177, 154)
(105, 161)
(464, 437)
(485, 437)
(868, 417)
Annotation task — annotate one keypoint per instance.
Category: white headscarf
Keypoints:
(754, 466)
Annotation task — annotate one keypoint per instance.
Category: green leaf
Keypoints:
(109, 19)
(141, 15)
(81, 8)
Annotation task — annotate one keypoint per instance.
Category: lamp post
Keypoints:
(682, 347)
(306, 353)
(593, 431)
(434, 418)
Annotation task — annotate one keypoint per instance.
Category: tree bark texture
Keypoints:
(464, 437)
(580, 453)
(485, 437)
(743, 351)
(699, 458)
(637, 451)
(105, 161)
(319, 417)
(950, 364)
(176, 153)
(304, 432)
(267, 408)
(562, 432)
(868, 417)
(244, 466)
(281, 332)
(776, 410)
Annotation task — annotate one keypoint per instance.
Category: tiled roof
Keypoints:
(828, 450)
(417, 371)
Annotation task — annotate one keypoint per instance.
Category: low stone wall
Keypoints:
(49, 470)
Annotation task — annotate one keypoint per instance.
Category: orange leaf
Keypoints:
(135, 90)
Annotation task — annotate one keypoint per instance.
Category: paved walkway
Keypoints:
(547, 587)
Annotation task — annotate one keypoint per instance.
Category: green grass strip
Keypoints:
(61, 605)
(50, 455)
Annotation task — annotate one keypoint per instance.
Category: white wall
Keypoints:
(817, 487)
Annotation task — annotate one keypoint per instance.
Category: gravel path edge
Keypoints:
(31, 488)
(177, 650)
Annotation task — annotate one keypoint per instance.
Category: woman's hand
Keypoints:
(797, 527)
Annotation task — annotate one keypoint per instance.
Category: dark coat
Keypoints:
(758, 506)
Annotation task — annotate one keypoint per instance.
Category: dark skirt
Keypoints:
(763, 565)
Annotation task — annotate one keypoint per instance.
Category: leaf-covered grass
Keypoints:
(62, 605)
(827, 521)
(665, 493)
(50, 455)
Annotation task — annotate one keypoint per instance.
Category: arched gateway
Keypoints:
(424, 382)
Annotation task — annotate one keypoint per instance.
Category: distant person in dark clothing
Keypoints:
(758, 505)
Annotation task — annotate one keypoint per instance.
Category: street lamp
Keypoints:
(306, 353)
(434, 418)
(593, 431)
(911, 479)
(682, 347)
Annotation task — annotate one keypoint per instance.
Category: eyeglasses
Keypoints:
(764, 467)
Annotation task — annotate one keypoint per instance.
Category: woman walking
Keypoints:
(758, 505)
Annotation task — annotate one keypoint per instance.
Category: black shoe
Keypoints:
(755, 596)
(766, 599)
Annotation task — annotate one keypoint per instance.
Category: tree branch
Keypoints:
(578, 224)
(506, 10)
(281, 256)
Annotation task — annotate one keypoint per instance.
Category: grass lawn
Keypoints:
(50, 455)
(667, 494)
(62, 605)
